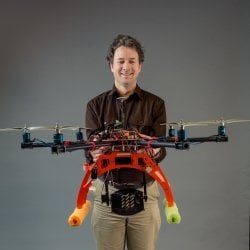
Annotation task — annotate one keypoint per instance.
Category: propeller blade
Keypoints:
(71, 128)
(183, 124)
(42, 128)
(236, 120)
(10, 129)
(222, 121)
(202, 123)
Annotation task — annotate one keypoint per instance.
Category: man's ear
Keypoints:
(111, 66)
(140, 67)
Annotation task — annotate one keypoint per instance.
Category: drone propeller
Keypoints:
(222, 121)
(181, 133)
(64, 127)
(202, 123)
(183, 124)
(58, 137)
(25, 129)
(57, 128)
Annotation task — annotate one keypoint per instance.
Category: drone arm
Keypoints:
(70, 146)
(214, 138)
(31, 145)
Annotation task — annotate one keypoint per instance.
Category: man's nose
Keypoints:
(126, 66)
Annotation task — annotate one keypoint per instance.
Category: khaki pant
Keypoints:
(116, 232)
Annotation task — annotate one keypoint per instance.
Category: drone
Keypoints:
(126, 149)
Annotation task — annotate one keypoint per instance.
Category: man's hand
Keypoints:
(97, 152)
(153, 151)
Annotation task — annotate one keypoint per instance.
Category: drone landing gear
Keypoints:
(139, 161)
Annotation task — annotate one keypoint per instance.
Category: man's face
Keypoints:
(125, 68)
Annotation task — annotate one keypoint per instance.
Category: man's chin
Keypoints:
(127, 85)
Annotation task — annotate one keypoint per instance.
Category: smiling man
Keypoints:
(137, 109)
(125, 67)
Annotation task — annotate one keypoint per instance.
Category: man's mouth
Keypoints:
(126, 75)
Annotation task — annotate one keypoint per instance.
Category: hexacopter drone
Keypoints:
(126, 149)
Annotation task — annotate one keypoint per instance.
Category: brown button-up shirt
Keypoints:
(142, 110)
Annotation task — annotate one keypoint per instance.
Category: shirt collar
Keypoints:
(137, 92)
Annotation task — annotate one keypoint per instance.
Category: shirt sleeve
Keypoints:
(160, 117)
(91, 124)
(92, 119)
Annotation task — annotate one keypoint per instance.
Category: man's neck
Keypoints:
(124, 92)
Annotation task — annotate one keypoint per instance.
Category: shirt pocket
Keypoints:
(142, 124)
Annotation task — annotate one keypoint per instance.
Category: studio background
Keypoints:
(52, 61)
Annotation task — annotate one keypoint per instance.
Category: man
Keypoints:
(136, 109)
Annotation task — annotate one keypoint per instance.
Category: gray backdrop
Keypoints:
(52, 61)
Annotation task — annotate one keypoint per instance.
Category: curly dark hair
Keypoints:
(126, 41)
